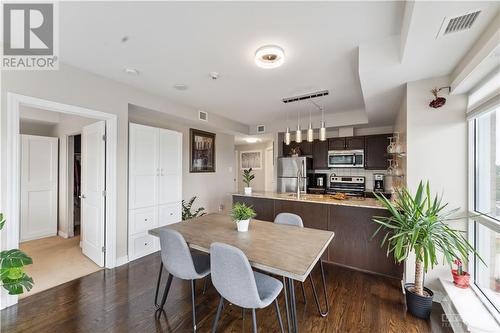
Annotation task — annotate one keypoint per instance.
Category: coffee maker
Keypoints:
(378, 182)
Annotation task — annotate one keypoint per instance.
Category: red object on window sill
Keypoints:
(461, 281)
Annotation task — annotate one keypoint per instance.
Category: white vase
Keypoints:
(248, 190)
(243, 225)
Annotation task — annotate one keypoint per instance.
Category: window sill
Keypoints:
(465, 311)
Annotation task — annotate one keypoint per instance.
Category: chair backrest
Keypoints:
(232, 276)
(176, 256)
(289, 219)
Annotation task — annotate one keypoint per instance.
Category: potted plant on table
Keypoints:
(248, 176)
(417, 224)
(241, 215)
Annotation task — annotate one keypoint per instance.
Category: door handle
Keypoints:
(82, 196)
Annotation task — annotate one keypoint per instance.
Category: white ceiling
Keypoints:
(171, 43)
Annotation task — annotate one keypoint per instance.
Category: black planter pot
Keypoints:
(419, 306)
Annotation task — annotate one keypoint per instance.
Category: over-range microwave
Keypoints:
(346, 158)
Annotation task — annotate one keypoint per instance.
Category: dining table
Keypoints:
(287, 251)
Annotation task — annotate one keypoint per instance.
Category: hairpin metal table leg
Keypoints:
(321, 313)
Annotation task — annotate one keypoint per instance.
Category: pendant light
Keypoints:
(322, 130)
(310, 131)
(287, 133)
(298, 134)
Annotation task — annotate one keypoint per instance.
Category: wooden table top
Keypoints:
(278, 249)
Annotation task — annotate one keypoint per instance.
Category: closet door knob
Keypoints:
(82, 196)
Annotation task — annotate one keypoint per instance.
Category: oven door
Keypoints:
(346, 159)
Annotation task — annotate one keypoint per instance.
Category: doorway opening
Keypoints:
(38, 177)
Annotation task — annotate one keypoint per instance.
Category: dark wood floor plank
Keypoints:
(121, 300)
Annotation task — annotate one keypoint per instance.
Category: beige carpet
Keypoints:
(56, 260)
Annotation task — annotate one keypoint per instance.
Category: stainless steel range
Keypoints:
(350, 185)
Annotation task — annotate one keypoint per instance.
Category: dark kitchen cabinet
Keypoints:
(336, 143)
(306, 148)
(353, 245)
(348, 143)
(264, 208)
(355, 142)
(376, 152)
(320, 154)
(287, 149)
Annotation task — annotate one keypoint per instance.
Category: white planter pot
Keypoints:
(248, 190)
(243, 225)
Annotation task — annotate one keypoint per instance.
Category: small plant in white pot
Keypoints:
(241, 215)
(248, 176)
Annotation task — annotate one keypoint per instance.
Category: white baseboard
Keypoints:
(62, 234)
(121, 261)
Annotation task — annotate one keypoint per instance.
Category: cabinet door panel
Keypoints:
(376, 152)
(306, 148)
(168, 214)
(355, 142)
(170, 164)
(336, 143)
(320, 154)
(143, 173)
(264, 208)
(142, 219)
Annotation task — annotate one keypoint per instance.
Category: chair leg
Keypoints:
(165, 292)
(193, 286)
(286, 305)
(219, 310)
(321, 313)
(205, 283)
(276, 305)
(303, 292)
(254, 321)
(158, 283)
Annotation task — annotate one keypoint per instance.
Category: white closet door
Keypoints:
(170, 182)
(39, 162)
(92, 194)
(143, 164)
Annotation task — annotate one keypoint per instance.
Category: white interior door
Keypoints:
(92, 191)
(39, 161)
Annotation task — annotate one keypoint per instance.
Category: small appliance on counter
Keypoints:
(317, 183)
(354, 186)
(378, 184)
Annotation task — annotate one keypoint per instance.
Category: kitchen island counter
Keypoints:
(351, 220)
(317, 198)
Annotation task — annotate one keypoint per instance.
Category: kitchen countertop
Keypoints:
(317, 198)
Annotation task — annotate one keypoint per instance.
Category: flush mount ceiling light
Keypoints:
(252, 140)
(180, 86)
(269, 56)
(131, 71)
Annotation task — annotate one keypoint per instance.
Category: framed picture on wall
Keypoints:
(251, 159)
(202, 154)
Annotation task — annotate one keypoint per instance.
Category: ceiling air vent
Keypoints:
(458, 23)
(202, 115)
(306, 96)
(261, 128)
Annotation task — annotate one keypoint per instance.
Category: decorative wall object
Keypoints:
(438, 102)
(251, 159)
(202, 151)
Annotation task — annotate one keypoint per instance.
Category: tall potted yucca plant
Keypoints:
(417, 223)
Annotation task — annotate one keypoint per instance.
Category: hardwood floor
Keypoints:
(121, 300)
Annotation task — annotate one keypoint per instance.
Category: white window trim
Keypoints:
(482, 219)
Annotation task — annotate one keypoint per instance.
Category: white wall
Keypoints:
(70, 85)
(212, 189)
(259, 182)
(437, 152)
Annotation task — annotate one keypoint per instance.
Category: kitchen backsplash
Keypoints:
(368, 174)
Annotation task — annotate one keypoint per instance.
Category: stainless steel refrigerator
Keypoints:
(288, 169)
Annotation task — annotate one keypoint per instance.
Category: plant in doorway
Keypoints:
(187, 214)
(417, 223)
(248, 176)
(12, 275)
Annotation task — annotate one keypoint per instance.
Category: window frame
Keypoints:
(487, 221)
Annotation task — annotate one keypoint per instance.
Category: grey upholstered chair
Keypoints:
(296, 221)
(182, 264)
(235, 281)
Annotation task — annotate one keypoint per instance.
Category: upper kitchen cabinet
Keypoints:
(353, 142)
(320, 154)
(306, 148)
(376, 151)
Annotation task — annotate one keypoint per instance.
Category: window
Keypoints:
(484, 230)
